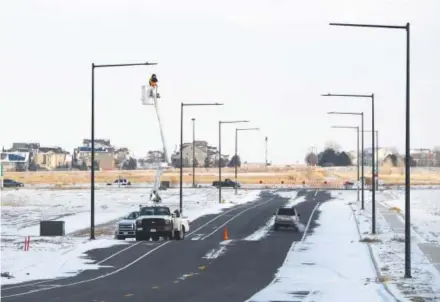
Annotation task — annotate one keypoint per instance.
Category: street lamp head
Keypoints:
(148, 63)
(233, 122)
(241, 129)
(328, 94)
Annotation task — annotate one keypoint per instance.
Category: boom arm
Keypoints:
(151, 99)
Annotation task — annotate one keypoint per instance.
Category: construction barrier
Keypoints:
(27, 243)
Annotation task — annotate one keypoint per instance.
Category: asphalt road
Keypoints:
(180, 270)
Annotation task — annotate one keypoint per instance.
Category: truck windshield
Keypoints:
(148, 211)
(286, 211)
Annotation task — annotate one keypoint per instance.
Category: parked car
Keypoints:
(226, 183)
(10, 183)
(126, 227)
(286, 217)
(120, 182)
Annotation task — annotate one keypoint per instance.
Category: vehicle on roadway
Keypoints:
(10, 183)
(158, 221)
(126, 228)
(226, 183)
(120, 182)
(286, 217)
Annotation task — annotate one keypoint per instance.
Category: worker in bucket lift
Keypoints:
(155, 197)
(153, 85)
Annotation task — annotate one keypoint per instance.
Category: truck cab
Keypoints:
(158, 221)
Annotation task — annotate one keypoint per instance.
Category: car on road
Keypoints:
(226, 183)
(158, 221)
(126, 228)
(120, 182)
(10, 183)
(286, 217)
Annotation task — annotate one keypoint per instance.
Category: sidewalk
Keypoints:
(388, 252)
(397, 223)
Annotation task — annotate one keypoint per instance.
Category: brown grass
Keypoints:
(203, 176)
(270, 176)
(396, 175)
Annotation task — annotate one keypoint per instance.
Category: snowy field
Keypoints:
(23, 209)
(425, 211)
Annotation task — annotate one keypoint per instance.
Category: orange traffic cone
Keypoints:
(225, 234)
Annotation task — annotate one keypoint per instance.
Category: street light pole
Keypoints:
(407, 138)
(92, 136)
(181, 146)
(362, 150)
(220, 155)
(358, 155)
(194, 152)
(377, 153)
(373, 176)
(236, 153)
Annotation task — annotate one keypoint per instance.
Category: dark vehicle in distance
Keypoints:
(226, 183)
(10, 183)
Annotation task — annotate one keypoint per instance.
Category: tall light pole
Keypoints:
(236, 152)
(361, 114)
(358, 154)
(220, 154)
(407, 138)
(92, 136)
(377, 152)
(181, 145)
(373, 176)
(194, 152)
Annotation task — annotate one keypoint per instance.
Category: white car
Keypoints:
(286, 217)
(158, 221)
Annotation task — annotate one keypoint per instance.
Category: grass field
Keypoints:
(272, 175)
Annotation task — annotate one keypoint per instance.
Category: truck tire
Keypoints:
(139, 237)
(119, 237)
(179, 235)
(170, 236)
(155, 238)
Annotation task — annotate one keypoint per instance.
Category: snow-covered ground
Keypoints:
(425, 211)
(23, 209)
(330, 265)
(388, 245)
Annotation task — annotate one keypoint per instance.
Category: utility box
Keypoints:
(165, 184)
(52, 228)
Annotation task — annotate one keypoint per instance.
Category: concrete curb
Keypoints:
(373, 259)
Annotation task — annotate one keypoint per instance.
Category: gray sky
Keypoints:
(268, 61)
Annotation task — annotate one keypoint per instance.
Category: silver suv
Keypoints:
(286, 217)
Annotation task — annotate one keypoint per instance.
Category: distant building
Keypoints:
(104, 154)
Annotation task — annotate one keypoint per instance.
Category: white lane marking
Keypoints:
(98, 263)
(118, 270)
(310, 220)
(316, 193)
(92, 279)
(235, 216)
(117, 253)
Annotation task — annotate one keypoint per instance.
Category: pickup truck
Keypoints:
(126, 227)
(158, 221)
(226, 183)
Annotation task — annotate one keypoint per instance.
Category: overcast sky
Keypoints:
(267, 61)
